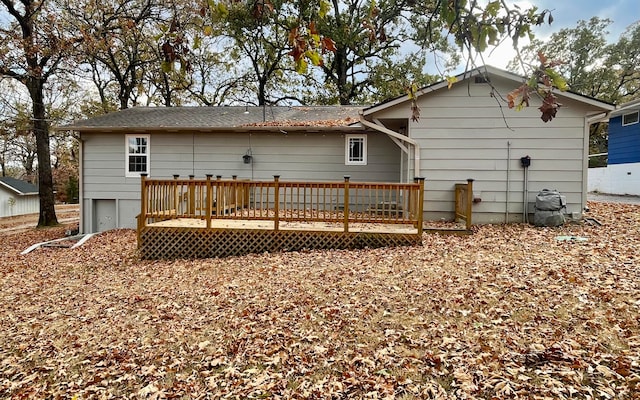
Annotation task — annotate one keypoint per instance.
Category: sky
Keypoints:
(566, 14)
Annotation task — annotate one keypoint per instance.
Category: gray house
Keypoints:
(18, 197)
(464, 132)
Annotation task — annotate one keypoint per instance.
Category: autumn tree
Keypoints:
(319, 28)
(33, 46)
(592, 66)
(115, 46)
(258, 39)
(365, 59)
(581, 55)
(216, 78)
(5, 141)
(624, 59)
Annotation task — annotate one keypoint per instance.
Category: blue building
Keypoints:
(622, 174)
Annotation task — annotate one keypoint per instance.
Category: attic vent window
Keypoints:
(481, 79)
(630, 119)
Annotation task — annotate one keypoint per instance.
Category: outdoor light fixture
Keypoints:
(246, 109)
(247, 158)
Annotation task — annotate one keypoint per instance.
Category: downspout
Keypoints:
(393, 134)
(585, 163)
(82, 224)
(506, 211)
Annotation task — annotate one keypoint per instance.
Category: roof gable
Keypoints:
(18, 186)
(484, 72)
(626, 108)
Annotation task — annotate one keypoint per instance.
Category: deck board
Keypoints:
(285, 226)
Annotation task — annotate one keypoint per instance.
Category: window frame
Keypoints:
(147, 154)
(347, 149)
(637, 114)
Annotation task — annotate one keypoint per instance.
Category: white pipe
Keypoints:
(506, 211)
(82, 224)
(396, 135)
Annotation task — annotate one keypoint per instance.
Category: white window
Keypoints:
(137, 155)
(355, 150)
(629, 119)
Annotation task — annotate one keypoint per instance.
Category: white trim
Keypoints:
(407, 139)
(626, 108)
(147, 154)
(637, 113)
(82, 223)
(347, 149)
(588, 120)
(9, 187)
(481, 71)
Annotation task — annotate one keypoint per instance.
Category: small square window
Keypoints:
(137, 155)
(356, 150)
(630, 119)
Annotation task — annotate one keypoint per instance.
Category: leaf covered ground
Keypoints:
(509, 312)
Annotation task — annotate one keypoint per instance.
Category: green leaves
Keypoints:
(556, 79)
(324, 9)
(301, 66)
(493, 8)
(314, 57)
(219, 10)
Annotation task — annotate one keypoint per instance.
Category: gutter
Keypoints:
(208, 129)
(396, 135)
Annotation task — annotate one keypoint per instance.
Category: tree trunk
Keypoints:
(341, 71)
(41, 131)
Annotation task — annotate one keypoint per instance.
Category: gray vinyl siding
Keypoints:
(463, 133)
(294, 156)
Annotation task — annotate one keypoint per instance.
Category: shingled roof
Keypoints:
(18, 186)
(219, 118)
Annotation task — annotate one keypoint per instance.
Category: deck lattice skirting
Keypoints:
(190, 218)
(170, 243)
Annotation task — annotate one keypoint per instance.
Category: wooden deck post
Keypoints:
(420, 205)
(233, 193)
(191, 209)
(219, 207)
(142, 218)
(176, 200)
(209, 198)
(276, 202)
(346, 203)
(469, 201)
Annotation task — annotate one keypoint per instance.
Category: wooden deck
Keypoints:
(283, 226)
(202, 218)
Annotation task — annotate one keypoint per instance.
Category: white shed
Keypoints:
(18, 197)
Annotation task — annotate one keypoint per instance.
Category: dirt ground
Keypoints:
(66, 213)
(613, 198)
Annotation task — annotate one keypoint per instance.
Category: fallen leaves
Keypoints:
(509, 312)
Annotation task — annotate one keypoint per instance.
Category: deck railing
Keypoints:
(463, 202)
(343, 202)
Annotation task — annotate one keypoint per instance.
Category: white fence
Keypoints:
(615, 179)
